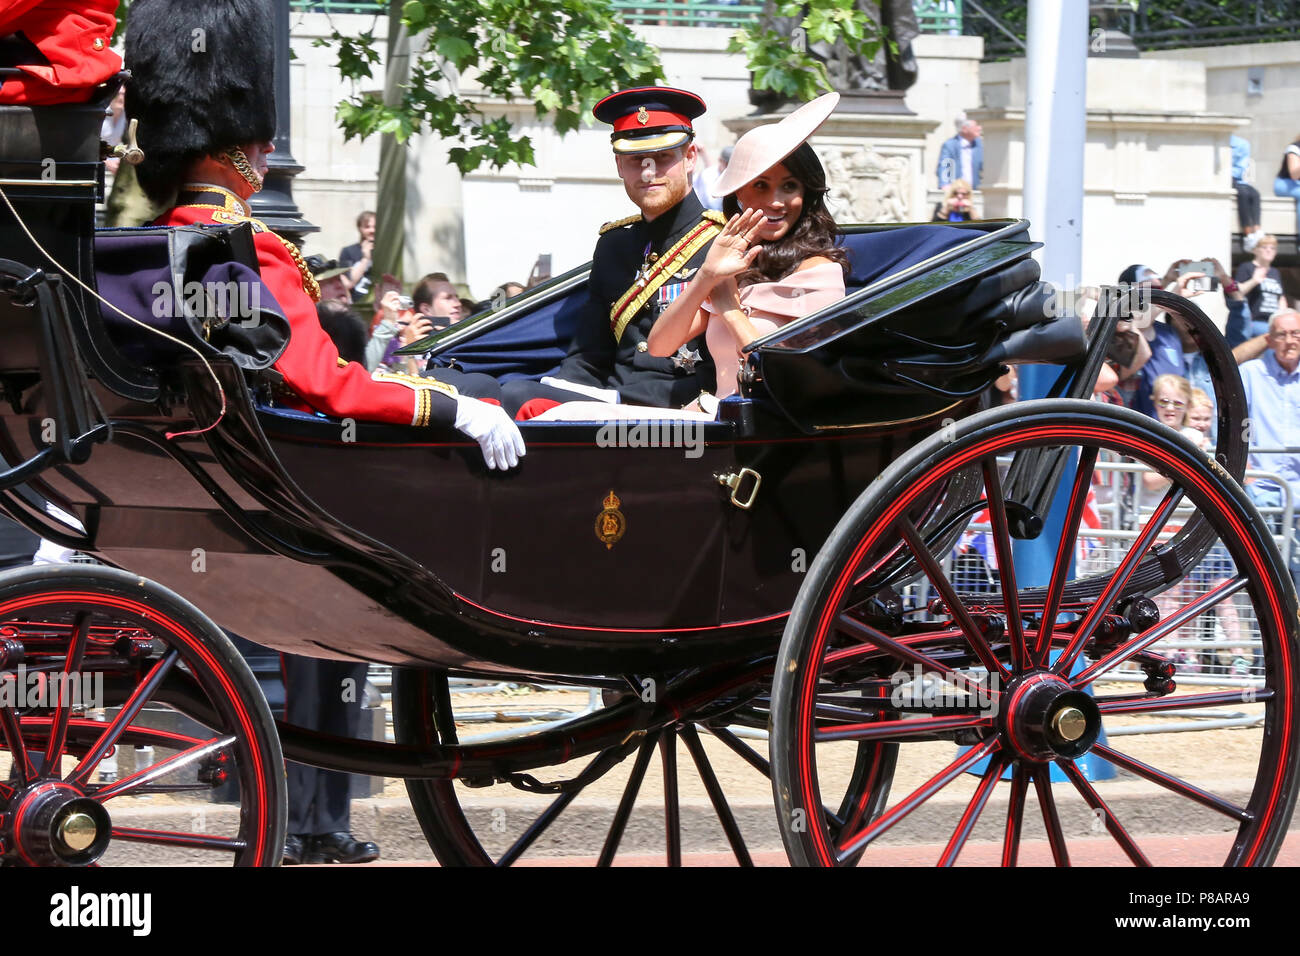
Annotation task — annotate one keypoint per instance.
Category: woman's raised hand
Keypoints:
(734, 250)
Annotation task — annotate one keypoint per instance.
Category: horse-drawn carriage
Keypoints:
(787, 567)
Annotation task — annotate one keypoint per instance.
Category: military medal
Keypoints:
(686, 359)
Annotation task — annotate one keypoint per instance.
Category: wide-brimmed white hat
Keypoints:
(764, 146)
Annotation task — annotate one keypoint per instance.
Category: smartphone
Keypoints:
(1208, 283)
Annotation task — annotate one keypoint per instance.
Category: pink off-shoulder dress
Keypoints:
(770, 305)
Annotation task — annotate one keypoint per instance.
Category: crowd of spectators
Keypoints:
(370, 318)
(1156, 366)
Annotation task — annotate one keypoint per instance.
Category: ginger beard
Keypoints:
(657, 182)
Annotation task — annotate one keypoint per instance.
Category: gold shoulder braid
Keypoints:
(715, 216)
(619, 222)
(309, 284)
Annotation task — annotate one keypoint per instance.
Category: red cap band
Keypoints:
(650, 119)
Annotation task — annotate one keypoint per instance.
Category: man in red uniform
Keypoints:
(201, 89)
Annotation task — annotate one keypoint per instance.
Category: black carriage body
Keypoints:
(418, 554)
(411, 552)
(395, 544)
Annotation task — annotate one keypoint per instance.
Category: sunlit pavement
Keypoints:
(1181, 850)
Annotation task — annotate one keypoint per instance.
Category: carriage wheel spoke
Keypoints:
(23, 768)
(973, 811)
(918, 796)
(71, 667)
(1169, 782)
(1015, 814)
(955, 604)
(716, 796)
(128, 713)
(1051, 819)
(758, 762)
(1099, 805)
(171, 764)
(1137, 551)
(1148, 637)
(1069, 539)
(837, 712)
(630, 791)
(672, 809)
(197, 841)
(1006, 566)
(1129, 705)
(865, 632)
(743, 750)
(593, 770)
(896, 729)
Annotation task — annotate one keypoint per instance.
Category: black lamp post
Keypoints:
(274, 205)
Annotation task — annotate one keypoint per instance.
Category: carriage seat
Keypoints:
(199, 286)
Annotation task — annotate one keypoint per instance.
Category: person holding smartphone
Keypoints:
(1261, 284)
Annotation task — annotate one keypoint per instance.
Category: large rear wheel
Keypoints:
(1001, 696)
(697, 784)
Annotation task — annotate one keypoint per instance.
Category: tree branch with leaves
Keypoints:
(560, 56)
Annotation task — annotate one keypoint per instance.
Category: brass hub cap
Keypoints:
(1069, 723)
(52, 823)
(77, 830)
(1044, 718)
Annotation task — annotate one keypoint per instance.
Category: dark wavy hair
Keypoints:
(814, 232)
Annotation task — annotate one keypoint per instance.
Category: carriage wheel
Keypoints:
(615, 790)
(1054, 691)
(97, 663)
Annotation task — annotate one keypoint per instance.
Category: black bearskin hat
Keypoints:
(202, 80)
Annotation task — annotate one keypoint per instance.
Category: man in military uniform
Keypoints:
(641, 264)
(207, 115)
(206, 119)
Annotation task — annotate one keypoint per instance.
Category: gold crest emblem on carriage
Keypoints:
(610, 523)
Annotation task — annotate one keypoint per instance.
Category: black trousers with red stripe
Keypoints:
(324, 696)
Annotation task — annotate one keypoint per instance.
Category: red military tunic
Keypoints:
(73, 38)
(310, 364)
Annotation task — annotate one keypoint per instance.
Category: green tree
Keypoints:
(783, 64)
(560, 55)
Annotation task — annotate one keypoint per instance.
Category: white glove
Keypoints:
(494, 430)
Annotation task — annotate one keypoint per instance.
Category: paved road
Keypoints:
(1180, 850)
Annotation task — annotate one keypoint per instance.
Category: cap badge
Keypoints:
(642, 116)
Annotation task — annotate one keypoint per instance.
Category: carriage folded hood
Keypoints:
(934, 313)
(199, 285)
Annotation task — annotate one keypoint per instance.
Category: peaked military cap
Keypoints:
(649, 118)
